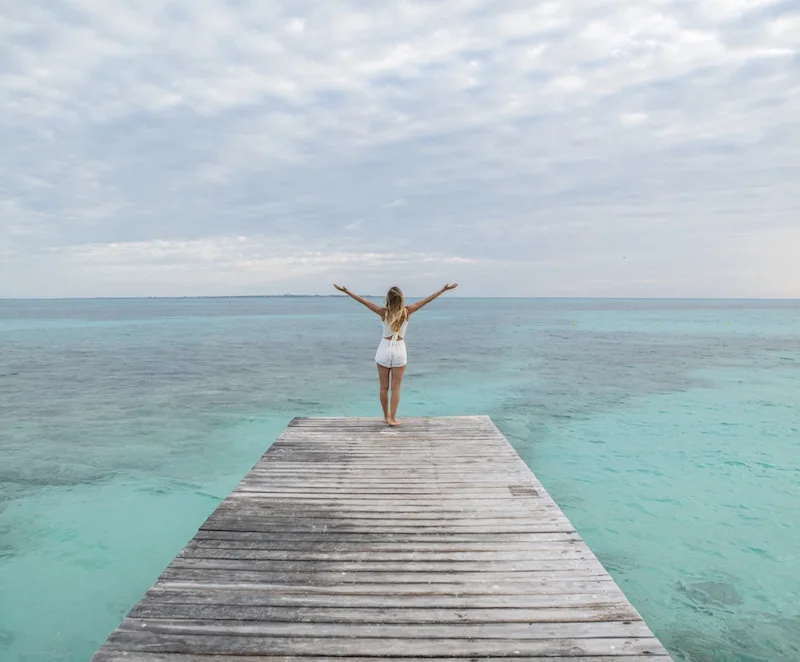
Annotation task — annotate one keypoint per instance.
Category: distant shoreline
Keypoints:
(380, 296)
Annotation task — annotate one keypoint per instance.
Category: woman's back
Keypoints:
(389, 332)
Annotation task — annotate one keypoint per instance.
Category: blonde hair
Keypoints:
(395, 309)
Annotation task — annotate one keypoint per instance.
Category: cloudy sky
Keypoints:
(524, 148)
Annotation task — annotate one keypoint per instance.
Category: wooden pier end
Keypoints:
(351, 540)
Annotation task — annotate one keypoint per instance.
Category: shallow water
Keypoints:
(668, 431)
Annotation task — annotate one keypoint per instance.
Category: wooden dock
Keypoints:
(350, 539)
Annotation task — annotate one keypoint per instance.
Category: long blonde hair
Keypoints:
(395, 309)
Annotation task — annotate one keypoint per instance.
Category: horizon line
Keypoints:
(378, 296)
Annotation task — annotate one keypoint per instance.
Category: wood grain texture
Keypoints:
(352, 541)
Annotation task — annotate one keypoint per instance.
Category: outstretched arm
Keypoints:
(374, 307)
(414, 307)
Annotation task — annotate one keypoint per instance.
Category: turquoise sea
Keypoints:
(668, 431)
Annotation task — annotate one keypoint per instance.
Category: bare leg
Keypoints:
(397, 382)
(383, 377)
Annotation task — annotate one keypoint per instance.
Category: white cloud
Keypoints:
(222, 265)
(633, 119)
(296, 26)
(140, 123)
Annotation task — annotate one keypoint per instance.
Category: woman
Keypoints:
(391, 355)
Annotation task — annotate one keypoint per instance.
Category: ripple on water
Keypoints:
(705, 595)
(752, 637)
(618, 564)
(6, 638)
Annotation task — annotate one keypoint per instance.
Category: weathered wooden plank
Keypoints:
(350, 646)
(417, 537)
(192, 610)
(442, 566)
(299, 459)
(286, 462)
(335, 447)
(380, 501)
(377, 514)
(566, 543)
(324, 464)
(344, 484)
(475, 421)
(455, 631)
(403, 580)
(379, 519)
(381, 559)
(526, 504)
(576, 584)
(412, 505)
(311, 513)
(376, 508)
(302, 520)
(368, 492)
(127, 656)
(255, 595)
(352, 540)
(265, 525)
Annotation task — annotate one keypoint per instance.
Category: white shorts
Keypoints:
(391, 354)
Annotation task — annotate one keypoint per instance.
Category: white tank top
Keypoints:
(387, 330)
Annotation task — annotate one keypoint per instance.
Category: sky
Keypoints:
(619, 148)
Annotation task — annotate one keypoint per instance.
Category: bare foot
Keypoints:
(394, 423)
(386, 420)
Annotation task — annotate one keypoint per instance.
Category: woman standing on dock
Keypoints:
(391, 356)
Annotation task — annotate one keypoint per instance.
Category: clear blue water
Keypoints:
(668, 431)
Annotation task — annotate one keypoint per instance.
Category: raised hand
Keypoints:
(341, 288)
(451, 286)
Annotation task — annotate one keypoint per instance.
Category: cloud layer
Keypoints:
(590, 148)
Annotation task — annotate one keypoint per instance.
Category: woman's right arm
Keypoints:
(374, 307)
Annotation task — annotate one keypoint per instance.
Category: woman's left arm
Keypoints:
(414, 307)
